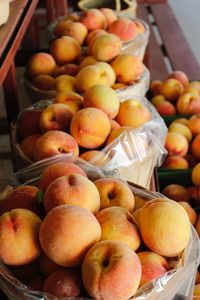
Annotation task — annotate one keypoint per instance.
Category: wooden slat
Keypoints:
(155, 54)
(177, 48)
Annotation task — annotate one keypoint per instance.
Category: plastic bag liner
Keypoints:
(176, 284)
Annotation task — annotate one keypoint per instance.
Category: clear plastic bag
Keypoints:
(175, 284)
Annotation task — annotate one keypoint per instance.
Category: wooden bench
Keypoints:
(168, 49)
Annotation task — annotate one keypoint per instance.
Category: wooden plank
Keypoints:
(156, 64)
(177, 48)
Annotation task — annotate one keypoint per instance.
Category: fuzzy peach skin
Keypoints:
(43, 82)
(188, 104)
(102, 97)
(166, 108)
(105, 47)
(57, 170)
(19, 242)
(72, 100)
(21, 197)
(28, 143)
(194, 124)
(67, 69)
(109, 15)
(175, 162)
(155, 87)
(176, 144)
(111, 270)
(121, 65)
(171, 89)
(182, 129)
(73, 189)
(56, 116)
(164, 226)
(93, 19)
(46, 266)
(153, 266)
(76, 30)
(132, 113)
(98, 73)
(90, 127)
(60, 229)
(180, 76)
(54, 142)
(195, 147)
(116, 133)
(124, 28)
(64, 282)
(117, 224)
(176, 192)
(65, 49)
(196, 175)
(114, 192)
(95, 157)
(40, 63)
(65, 83)
(29, 122)
(190, 211)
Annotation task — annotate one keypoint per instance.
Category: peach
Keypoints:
(88, 61)
(117, 224)
(115, 133)
(183, 121)
(176, 192)
(187, 104)
(99, 73)
(196, 293)
(105, 47)
(88, 136)
(54, 142)
(182, 129)
(28, 143)
(195, 147)
(157, 99)
(21, 197)
(114, 124)
(196, 175)
(180, 76)
(176, 144)
(102, 97)
(65, 49)
(59, 238)
(194, 124)
(43, 82)
(59, 29)
(111, 270)
(164, 226)
(193, 91)
(40, 63)
(132, 113)
(29, 122)
(63, 283)
(56, 116)
(73, 189)
(166, 108)
(124, 28)
(175, 162)
(195, 84)
(194, 194)
(155, 87)
(114, 192)
(56, 170)
(95, 157)
(67, 69)
(72, 100)
(153, 266)
(93, 19)
(109, 15)
(19, 230)
(171, 89)
(94, 33)
(46, 266)
(76, 30)
(65, 83)
(190, 211)
(121, 65)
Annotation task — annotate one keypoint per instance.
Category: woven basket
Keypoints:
(123, 6)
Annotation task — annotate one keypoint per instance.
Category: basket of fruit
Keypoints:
(78, 229)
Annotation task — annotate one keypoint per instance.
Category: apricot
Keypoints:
(180, 76)
(166, 108)
(40, 63)
(171, 89)
(182, 129)
(188, 104)
(176, 144)
(61, 241)
(175, 162)
(176, 192)
(76, 30)
(87, 136)
(157, 99)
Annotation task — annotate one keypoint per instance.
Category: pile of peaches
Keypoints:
(70, 236)
(175, 95)
(70, 66)
(77, 124)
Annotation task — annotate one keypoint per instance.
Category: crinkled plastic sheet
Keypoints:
(176, 284)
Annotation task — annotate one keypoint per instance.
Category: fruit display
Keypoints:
(90, 236)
